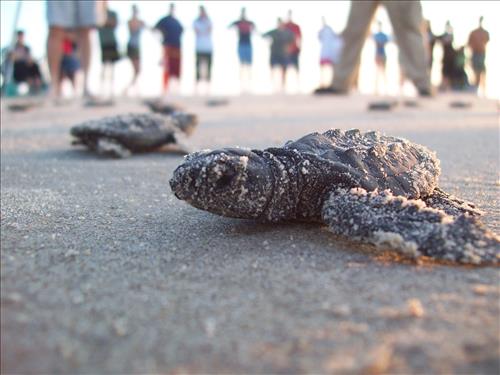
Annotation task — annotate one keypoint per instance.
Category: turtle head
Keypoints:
(229, 182)
(186, 122)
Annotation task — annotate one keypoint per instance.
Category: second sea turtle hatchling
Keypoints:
(366, 186)
(122, 135)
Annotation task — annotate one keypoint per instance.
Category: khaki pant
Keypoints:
(406, 19)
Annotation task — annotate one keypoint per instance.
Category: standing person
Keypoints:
(406, 20)
(381, 39)
(295, 45)
(281, 38)
(245, 29)
(135, 26)
(449, 57)
(331, 48)
(171, 30)
(478, 39)
(109, 48)
(64, 17)
(203, 30)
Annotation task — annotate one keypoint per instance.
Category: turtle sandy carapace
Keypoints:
(366, 186)
(162, 107)
(122, 135)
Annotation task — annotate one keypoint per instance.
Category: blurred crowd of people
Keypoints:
(69, 48)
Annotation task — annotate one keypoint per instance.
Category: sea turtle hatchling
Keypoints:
(119, 136)
(366, 186)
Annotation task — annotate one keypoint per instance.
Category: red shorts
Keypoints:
(172, 60)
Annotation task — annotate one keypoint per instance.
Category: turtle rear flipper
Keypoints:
(450, 204)
(108, 146)
(410, 227)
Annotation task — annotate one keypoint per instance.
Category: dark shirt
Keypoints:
(281, 39)
(107, 32)
(245, 29)
(171, 30)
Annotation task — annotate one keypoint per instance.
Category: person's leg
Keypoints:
(406, 20)
(166, 74)
(198, 66)
(103, 76)
(54, 56)
(354, 35)
(84, 48)
(482, 81)
(384, 76)
(209, 67)
(296, 65)
(136, 65)
(111, 79)
(283, 67)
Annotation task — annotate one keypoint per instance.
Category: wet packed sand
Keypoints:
(103, 270)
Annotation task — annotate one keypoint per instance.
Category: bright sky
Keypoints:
(463, 16)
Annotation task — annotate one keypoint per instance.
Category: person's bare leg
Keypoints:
(112, 79)
(103, 78)
(482, 82)
(83, 40)
(283, 78)
(136, 68)
(136, 64)
(54, 54)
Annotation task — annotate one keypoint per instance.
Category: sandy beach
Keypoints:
(103, 270)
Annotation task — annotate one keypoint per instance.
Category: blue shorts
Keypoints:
(279, 61)
(245, 53)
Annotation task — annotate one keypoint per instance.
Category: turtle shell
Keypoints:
(378, 161)
(136, 132)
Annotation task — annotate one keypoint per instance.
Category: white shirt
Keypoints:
(203, 30)
(331, 44)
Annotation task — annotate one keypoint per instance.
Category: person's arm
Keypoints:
(299, 38)
(268, 34)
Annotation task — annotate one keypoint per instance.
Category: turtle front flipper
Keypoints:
(450, 204)
(410, 227)
(110, 147)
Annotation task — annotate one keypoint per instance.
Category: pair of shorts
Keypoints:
(110, 54)
(245, 53)
(278, 61)
(293, 59)
(72, 14)
(133, 52)
(172, 56)
(478, 62)
(69, 66)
